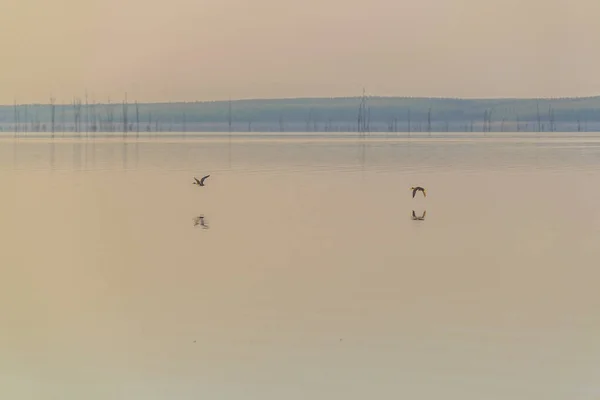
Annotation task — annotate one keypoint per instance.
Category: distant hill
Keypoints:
(397, 114)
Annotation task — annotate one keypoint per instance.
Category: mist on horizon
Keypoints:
(183, 50)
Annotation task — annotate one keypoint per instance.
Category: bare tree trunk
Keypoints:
(485, 119)
(63, 118)
(77, 115)
(429, 121)
(52, 113)
(551, 118)
(110, 117)
(87, 115)
(359, 119)
(125, 126)
(137, 119)
(16, 118)
(539, 119)
(229, 116)
(25, 117)
(94, 119)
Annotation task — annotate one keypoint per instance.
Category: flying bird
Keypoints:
(421, 218)
(201, 181)
(418, 189)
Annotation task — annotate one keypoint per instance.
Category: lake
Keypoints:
(311, 279)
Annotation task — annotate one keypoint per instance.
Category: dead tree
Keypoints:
(25, 117)
(363, 115)
(74, 104)
(229, 116)
(137, 119)
(94, 118)
(87, 115)
(125, 126)
(429, 121)
(63, 118)
(16, 118)
(52, 114)
(551, 119)
(77, 115)
(359, 119)
(109, 117)
(485, 119)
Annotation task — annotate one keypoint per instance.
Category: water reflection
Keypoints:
(137, 153)
(15, 154)
(77, 155)
(93, 151)
(201, 221)
(421, 218)
(52, 156)
(490, 316)
(124, 155)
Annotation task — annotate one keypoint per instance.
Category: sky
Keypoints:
(186, 50)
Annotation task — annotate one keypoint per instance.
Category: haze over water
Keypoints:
(312, 280)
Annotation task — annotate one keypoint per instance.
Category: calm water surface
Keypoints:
(312, 281)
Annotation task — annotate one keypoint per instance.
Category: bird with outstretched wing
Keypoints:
(418, 189)
(201, 181)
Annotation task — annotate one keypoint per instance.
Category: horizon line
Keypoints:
(248, 99)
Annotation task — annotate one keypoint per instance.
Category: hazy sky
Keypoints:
(213, 49)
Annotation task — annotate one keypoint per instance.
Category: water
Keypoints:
(312, 280)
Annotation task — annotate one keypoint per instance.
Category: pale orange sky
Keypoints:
(216, 49)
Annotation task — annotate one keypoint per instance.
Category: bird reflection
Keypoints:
(421, 218)
(199, 220)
